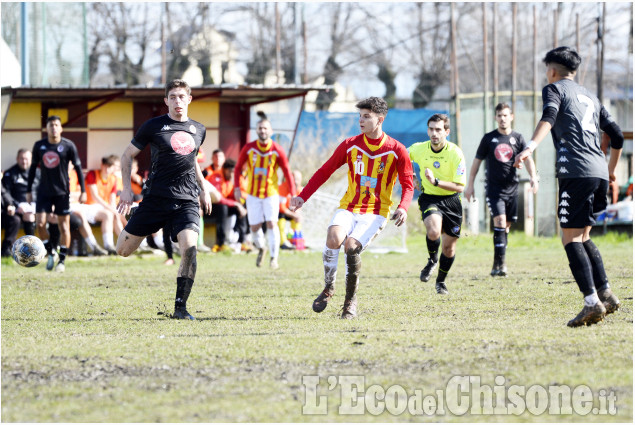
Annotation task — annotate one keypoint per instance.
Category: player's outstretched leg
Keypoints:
(593, 310)
(353, 266)
(329, 257)
(433, 249)
(600, 279)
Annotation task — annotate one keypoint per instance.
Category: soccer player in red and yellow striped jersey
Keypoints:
(374, 161)
(262, 158)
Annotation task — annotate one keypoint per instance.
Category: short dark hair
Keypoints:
(440, 117)
(230, 163)
(375, 104)
(564, 56)
(53, 118)
(21, 151)
(218, 151)
(109, 160)
(502, 106)
(177, 84)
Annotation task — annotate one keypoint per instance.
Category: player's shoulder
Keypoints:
(67, 142)
(419, 146)
(454, 149)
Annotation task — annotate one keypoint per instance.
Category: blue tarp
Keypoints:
(406, 125)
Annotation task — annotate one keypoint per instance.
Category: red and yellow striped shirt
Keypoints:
(373, 167)
(262, 168)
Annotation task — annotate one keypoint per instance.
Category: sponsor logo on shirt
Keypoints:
(260, 172)
(503, 152)
(182, 143)
(51, 159)
(368, 183)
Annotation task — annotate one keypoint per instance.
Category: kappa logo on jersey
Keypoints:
(494, 140)
(563, 159)
(564, 195)
(182, 143)
(564, 212)
(503, 152)
(436, 164)
(166, 128)
(563, 170)
(51, 159)
(563, 203)
(192, 129)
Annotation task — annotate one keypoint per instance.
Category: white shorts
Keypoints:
(27, 208)
(260, 210)
(361, 227)
(89, 211)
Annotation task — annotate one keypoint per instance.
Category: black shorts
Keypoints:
(448, 207)
(507, 206)
(46, 204)
(155, 213)
(580, 201)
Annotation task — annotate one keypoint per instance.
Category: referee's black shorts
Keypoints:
(448, 207)
(156, 212)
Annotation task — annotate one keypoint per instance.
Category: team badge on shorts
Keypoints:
(456, 229)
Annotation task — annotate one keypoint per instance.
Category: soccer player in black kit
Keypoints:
(575, 116)
(499, 149)
(52, 155)
(172, 191)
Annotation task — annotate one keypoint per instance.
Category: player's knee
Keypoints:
(123, 251)
(353, 250)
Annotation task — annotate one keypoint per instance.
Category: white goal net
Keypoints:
(319, 209)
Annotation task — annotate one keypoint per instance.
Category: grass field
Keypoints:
(94, 344)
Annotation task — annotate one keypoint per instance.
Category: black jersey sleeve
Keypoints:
(483, 149)
(550, 103)
(142, 138)
(611, 128)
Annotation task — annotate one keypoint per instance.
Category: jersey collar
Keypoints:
(372, 147)
(266, 146)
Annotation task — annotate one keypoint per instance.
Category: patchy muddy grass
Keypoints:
(95, 344)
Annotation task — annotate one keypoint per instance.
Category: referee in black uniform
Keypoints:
(575, 117)
(172, 191)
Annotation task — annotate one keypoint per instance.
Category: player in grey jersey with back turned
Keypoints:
(575, 118)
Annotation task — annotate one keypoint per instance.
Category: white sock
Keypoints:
(91, 241)
(273, 235)
(329, 257)
(591, 300)
(258, 239)
(109, 241)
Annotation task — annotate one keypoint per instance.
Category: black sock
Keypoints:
(580, 266)
(54, 236)
(500, 242)
(47, 245)
(63, 252)
(600, 279)
(29, 228)
(445, 263)
(183, 289)
(433, 248)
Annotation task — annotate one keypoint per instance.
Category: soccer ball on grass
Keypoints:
(28, 251)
